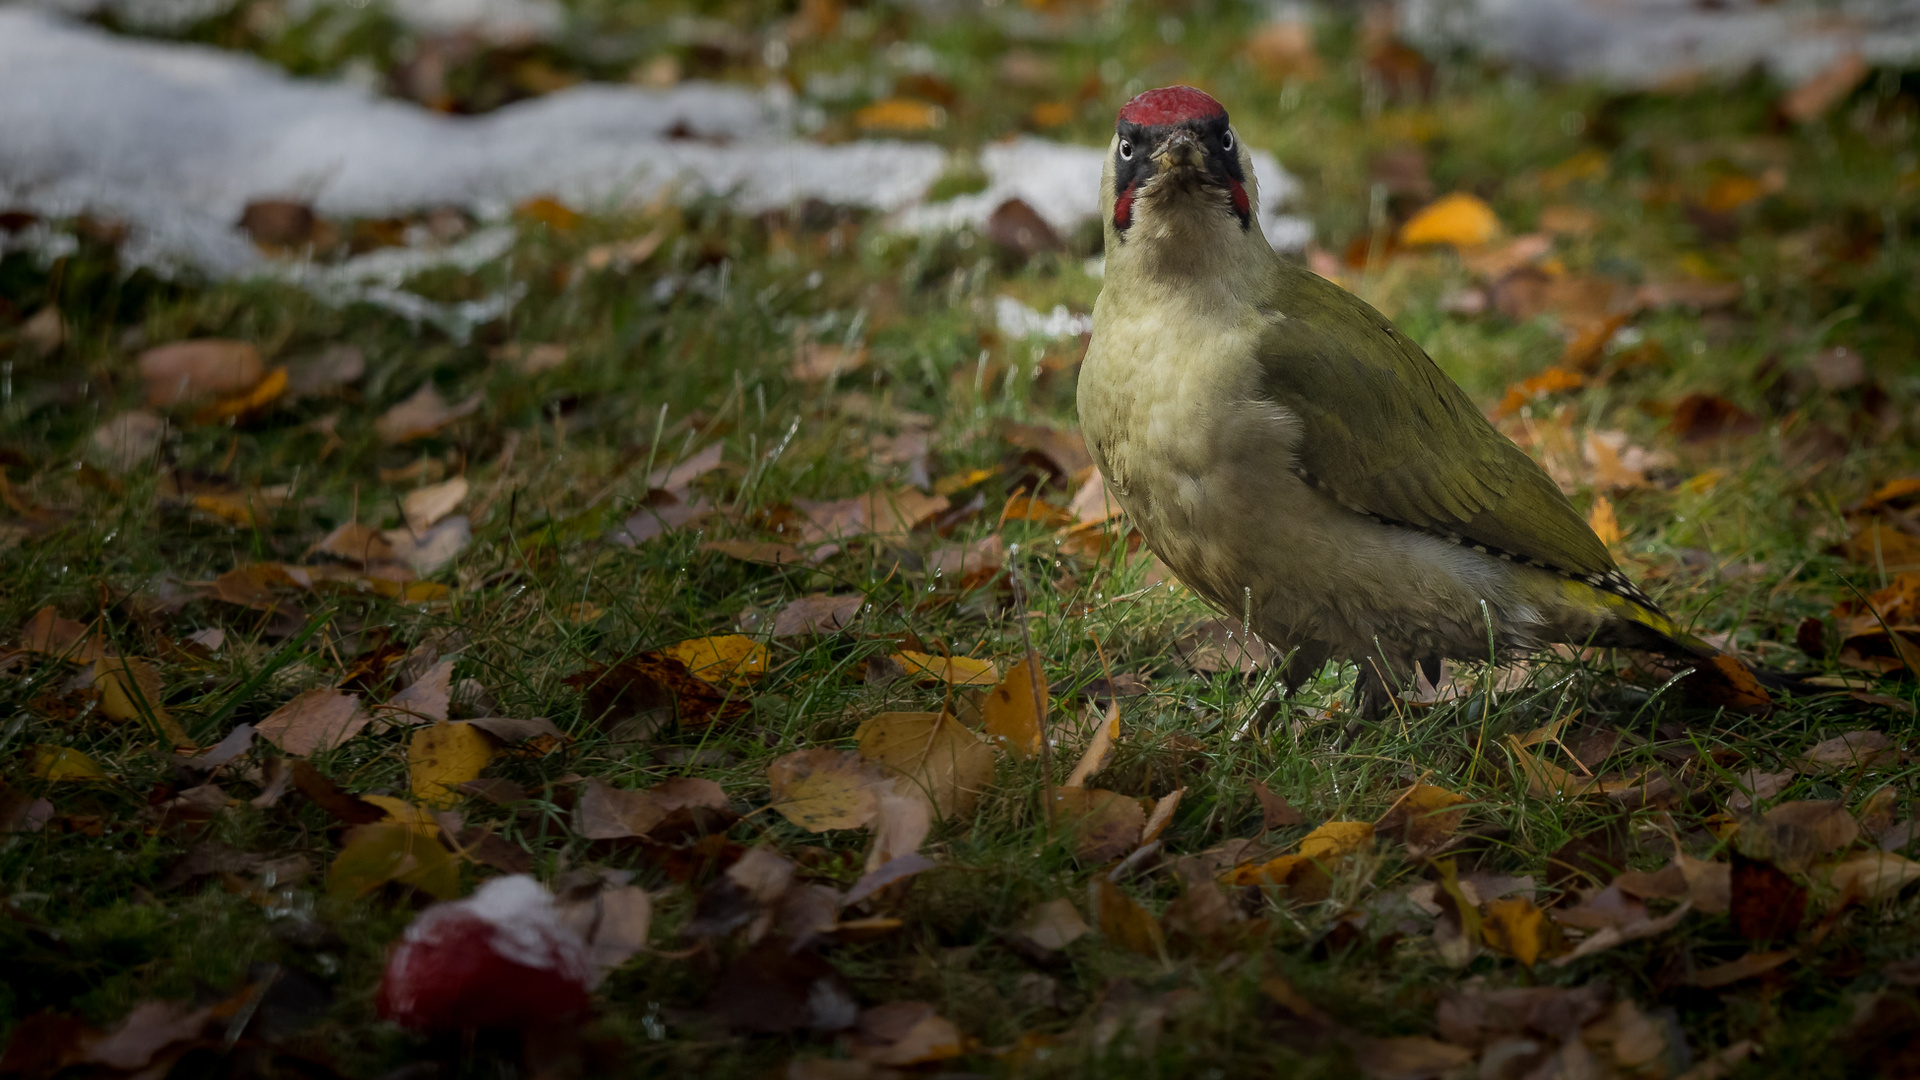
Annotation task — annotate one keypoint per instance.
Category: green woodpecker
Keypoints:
(1297, 460)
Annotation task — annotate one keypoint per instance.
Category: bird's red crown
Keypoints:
(1171, 105)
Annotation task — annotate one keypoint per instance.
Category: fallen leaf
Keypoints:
(268, 390)
(611, 916)
(934, 752)
(1702, 417)
(1765, 903)
(130, 690)
(1458, 219)
(442, 756)
(1553, 380)
(1746, 967)
(893, 870)
(1422, 816)
(1015, 710)
(1709, 884)
(649, 690)
(315, 721)
(421, 415)
(1614, 936)
(820, 362)
(1851, 751)
(127, 442)
(1408, 1057)
(821, 789)
(1053, 925)
(1122, 920)
(899, 116)
(373, 855)
(1017, 228)
(1282, 49)
(1336, 838)
(50, 634)
(1162, 815)
(1222, 645)
(1275, 812)
(1106, 824)
(425, 700)
(772, 989)
(187, 371)
(326, 372)
(903, 1033)
(901, 823)
(1819, 92)
(356, 543)
(423, 507)
(1757, 786)
(1602, 520)
(324, 793)
(1793, 835)
(1516, 928)
(957, 670)
(819, 613)
(517, 729)
(677, 478)
(55, 763)
(728, 659)
(1873, 877)
(769, 553)
(1098, 749)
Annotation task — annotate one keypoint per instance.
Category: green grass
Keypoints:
(559, 459)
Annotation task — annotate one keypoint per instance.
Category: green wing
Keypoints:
(1388, 433)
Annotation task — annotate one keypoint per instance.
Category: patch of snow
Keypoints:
(494, 20)
(1016, 320)
(1647, 43)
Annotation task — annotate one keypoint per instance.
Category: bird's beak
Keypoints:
(1180, 151)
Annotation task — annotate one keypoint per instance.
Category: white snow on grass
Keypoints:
(175, 140)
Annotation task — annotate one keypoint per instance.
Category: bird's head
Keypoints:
(1177, 178)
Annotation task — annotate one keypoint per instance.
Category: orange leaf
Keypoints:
(1459, 219)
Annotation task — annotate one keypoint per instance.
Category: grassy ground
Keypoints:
(1745, 534)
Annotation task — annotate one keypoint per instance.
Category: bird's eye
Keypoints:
(1126, 150)
(1226, 142)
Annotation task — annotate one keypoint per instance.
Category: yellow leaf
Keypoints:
(823, 789)
(1516, 927)
(1423, 816)
(1123, 921)
(442, 756)
(961, 481)
(130, 690)
(376, 854)
(727, 658)
(548, 211)
(403, 813)
(1099, 748)
(1459, 219)
(1603, 522)
(937, 754)
(1015, 709)
(1588, 164)
(958, 670)
(900, 115)
(263, 394)
(1729, 193)
(1703, 482)
(64, 763)
(1051, 114)
(1336, 838)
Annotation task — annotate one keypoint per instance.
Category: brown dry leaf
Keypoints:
(821, 789)
(625, 254)
(187, 371)
(1122, 920)
(1851, 751)
(423, 507)
(1023, 507)
(1746, 967)
(1516, 928)
(819, 362)
(1613, 936)
(1794, 835)
(443, 756)
(934, 752)
(604, 812)
(1053, 925)
(1015, 710)
(1880, 545)
(727, 659)
(1092, 504)
(677, 479)
(1458, 219)
(888, 515)
(1275, 812)
(1873, 876)
(1408, 1057)
(1813, 96)
(316, 721)
(1554, 380)
(1283, 49)
(648, 690)
(612, 917)
(819, 613)
(425, 700)
(1161, 815)
(130, 691)
(899, 116)
(1617, 466)
(957, 670)
(49, 634)
(901, 825)
(1709, 884)
(1757, 786)
(1765, 903)
(1106, 824)
(421, 415)
(1423, 816)
(770, 553)
(356, 543)
(1727, 682)
(902, 1033)
(1703, 417)
(1099, 748)
(1604, 523)
(127, 442)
